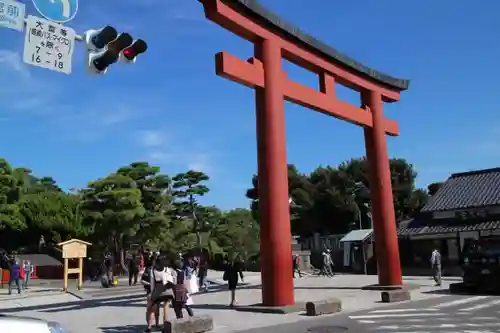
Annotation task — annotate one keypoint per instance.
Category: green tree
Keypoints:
(112, 206)
(434, 187)
(10, 194)
(332, 199)
(53, 215)
(239, 232)
(188, 187)
(156, 197)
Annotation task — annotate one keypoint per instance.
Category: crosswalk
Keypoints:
(477, 314)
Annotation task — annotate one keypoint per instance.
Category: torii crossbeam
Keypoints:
(274, 39)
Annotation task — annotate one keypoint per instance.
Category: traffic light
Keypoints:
(130, 54)
(104, 47)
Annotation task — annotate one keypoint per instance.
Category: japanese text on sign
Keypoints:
(12, 14)
(48, 45)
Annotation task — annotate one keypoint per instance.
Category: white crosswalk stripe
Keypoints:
(460, 302)
(481, 306)
(457, 315)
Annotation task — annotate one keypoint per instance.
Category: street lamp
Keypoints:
(359, 191)
(369, 213)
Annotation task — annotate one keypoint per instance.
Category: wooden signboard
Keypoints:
(74, 249)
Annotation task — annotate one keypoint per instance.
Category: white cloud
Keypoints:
(161, 157)
(185, 158)
(120, 115)
(85, 123)
(199, 162)
(12, 61)
(151, 138)
(22, 94)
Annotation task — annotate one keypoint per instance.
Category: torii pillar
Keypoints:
(274, 40)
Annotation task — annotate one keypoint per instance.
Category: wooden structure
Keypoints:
(74, 249)
(273, 40)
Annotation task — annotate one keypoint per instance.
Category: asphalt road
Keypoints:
(444, 314)
(449, 313)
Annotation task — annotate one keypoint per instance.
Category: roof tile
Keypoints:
(467, 190)
(439, 229)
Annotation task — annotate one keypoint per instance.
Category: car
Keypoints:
(29, 325)
(481, 265)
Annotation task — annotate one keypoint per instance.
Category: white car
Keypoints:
(29, 325)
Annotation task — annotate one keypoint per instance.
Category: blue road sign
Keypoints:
(12, 14)
(60, 11)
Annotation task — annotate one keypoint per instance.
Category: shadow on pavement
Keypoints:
(123, 329)
(128, 301)
(212, 306)
(462, 293)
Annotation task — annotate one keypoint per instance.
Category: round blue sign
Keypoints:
(60, 11)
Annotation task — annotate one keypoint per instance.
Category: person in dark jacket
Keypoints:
(15, 276)
(133, 270)
(109, 263)
(151, 309)
(233, 270)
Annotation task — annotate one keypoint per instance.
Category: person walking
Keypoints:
(151, 309)
(162, 283)
(326, 265)
(296, 264)
(190, 276)
(181, 295)
(436, 266)
(133, 270)
(231, 273)
(202, 273)
(15, 276)
(27, 270)
(109, 263)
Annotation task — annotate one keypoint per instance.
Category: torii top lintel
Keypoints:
(251, 21)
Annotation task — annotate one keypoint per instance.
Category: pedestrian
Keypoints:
(436, 266)
(14, 276)
(151, 309)
(27, 270)
(181, 295)
(109, 263)
(133, 270)
(162, 283)
(296, 265)
(202, 273)
(233, 270)
(327, 264)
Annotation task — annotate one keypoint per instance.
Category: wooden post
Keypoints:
(65, 274)
(74, 249)
(80, 273)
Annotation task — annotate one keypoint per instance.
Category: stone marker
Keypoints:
(398, 295)
(196, 324)
(328, 306)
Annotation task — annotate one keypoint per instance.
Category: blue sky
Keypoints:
(171, 110)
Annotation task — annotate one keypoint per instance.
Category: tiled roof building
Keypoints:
(468, 201)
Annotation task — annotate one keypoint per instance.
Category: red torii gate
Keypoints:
(274, 40)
